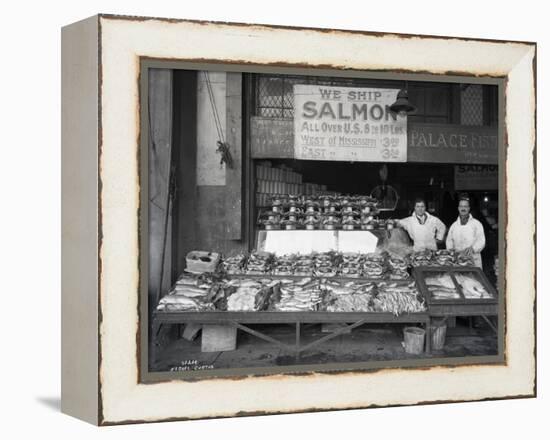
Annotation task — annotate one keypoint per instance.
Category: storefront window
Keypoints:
(275, 99)
(471, 100)
(434, 103)
(465, 104)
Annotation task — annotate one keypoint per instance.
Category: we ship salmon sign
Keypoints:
(348, 124)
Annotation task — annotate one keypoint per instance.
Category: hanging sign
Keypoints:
(348, 124)
(476, 177)
(271, 138)
(446, 143)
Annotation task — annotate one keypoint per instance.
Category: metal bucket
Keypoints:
(414, 340)
(438, 336)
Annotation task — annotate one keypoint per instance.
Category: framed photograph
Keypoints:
(262, 220)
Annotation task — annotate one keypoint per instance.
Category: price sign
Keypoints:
(348, 124)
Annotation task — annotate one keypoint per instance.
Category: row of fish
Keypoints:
(442, 257)
(398, 299)
(293, 296)
(327, 264)
(249, 295)
(442, 286)
(195, 293)
(191, 292)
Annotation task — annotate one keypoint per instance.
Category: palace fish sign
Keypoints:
(446, 143)
(348, 124)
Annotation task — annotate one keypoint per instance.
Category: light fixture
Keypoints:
(402, 106)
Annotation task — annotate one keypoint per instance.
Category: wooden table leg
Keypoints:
(429, 335)
(297, 346)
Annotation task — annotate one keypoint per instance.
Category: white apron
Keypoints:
(424, 235)
(469, 235)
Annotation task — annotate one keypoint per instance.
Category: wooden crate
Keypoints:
(190, 331)
(218, 338)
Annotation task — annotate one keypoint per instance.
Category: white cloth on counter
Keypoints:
(424, 235)
(471, 234)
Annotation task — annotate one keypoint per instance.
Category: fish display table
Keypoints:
(452, 291)
(270, 315)
(447, 291)
(242, 320)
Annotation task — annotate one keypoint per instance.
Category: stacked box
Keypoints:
(270, 181)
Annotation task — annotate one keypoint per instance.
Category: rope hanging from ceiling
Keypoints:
(223, 147)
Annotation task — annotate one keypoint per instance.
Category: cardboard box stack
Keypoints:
(284, 181)
(271, 180)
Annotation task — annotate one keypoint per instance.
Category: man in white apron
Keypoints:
(423, 228)
(466, 233)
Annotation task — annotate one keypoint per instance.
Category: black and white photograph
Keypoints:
(240, 219)
(266, 219)
(306, 221)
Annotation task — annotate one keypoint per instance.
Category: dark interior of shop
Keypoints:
(432, 182)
